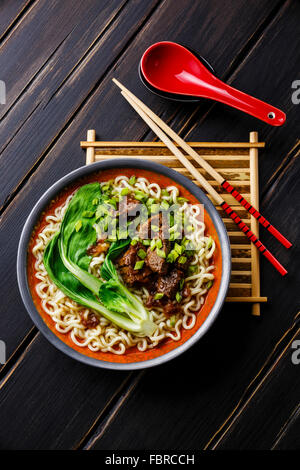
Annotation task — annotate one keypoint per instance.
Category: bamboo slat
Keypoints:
(238, 162)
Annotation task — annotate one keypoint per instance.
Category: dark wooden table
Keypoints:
(237, 388)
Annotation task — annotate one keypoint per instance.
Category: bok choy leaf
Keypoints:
(115, 295)
(67, 262)
(73, 288)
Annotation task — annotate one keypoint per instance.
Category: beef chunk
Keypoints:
(186, 292)
(172, 308)
(132, 277)
(127, 262)
(128, 205)
(169, 284)
(91, 321)
(155, 262)
(156, 220)
(130, 256)
(100, 247)
(183, 266)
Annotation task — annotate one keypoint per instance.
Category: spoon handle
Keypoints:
(226, 94)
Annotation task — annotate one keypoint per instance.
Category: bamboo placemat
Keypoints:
(238, 163)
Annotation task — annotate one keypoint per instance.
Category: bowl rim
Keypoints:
(57, 187)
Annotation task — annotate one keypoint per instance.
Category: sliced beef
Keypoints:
(169, 283)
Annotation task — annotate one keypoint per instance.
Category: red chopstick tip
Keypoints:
(275, 263)
(279, 237)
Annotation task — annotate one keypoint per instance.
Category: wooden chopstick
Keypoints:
(216, 196)
(207, 167)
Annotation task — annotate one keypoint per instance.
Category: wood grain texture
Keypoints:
(257, 338)
(171, 407)
(59, 399)
(58, 87)
(10, 13)
(272, 410)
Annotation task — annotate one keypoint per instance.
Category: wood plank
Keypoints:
(266, 416)
(10, 13)
(67, 71)
(97, 144)
(288, 436)
(56, 400)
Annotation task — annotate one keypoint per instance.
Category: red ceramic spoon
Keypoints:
(171, 68)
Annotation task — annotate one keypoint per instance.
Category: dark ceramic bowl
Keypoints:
(215, 298)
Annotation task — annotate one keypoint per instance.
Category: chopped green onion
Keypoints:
(178, 297)
(172, 321)
(88, 214)
(133, 242)
(150, 201)
(182, 199)
(182, 259)
(165, 192)
(141, 196)
(174, 254)
(192, 269)
(209, 284)
(165, 205)
(155, 228)
(209, 243)
(153, 244)
(78, 225)
(139, 265)
(190, 228)
(170, 258)
(154, 208)
(132, 180)
(178, 248)
(146, 242)
(158, 296)
(112, 202)
(158, 243)
(124, 192)
(142, 253)
(181, 284)
(122, 234)
(160, 253)
(177, 236)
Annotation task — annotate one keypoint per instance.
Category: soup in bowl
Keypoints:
(124, 264)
